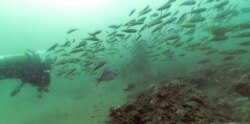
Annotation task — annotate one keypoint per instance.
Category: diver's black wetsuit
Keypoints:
(29, 68)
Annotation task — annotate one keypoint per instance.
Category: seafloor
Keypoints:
(218, 93)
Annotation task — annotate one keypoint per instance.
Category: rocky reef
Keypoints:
(218, 94)
(168, 103)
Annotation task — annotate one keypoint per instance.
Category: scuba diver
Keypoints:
(29, 67)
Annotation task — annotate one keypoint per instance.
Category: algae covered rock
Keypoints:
(168, 103)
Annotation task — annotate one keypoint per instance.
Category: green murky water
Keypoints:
(158, 41)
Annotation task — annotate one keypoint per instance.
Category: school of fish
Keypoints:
(170, 31)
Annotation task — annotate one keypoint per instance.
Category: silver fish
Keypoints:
(53, 47)
(188, 3)
(99, 65)
(129, 30)
(72, 30)
(132, 12)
